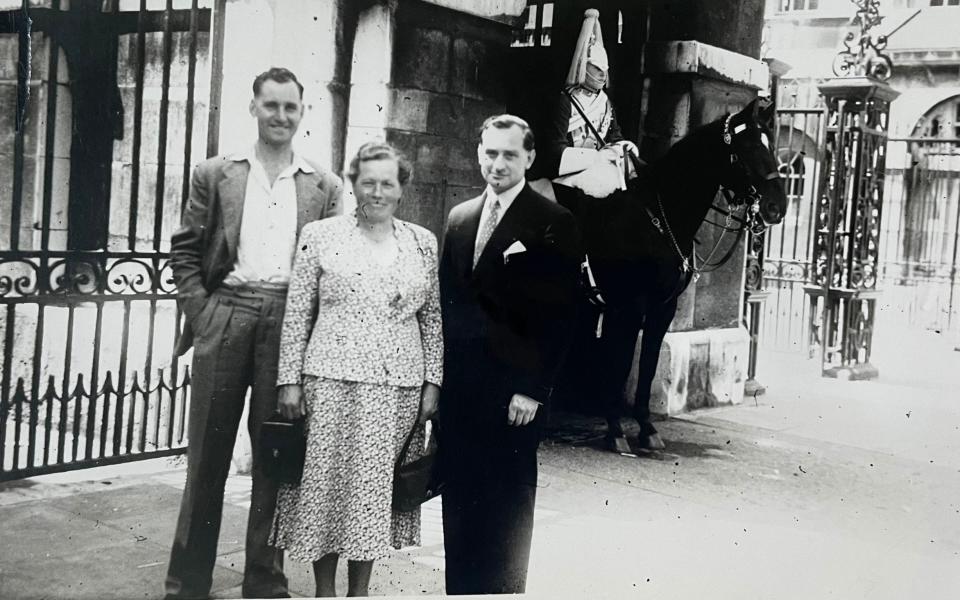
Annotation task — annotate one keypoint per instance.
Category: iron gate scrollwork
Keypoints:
(104, 142)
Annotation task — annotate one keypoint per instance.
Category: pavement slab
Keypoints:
(817, 489)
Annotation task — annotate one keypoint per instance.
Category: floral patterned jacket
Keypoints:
(350, 318)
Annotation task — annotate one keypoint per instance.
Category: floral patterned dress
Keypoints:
(361, 337)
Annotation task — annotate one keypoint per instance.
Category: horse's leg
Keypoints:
(615, 351)
(655, 327)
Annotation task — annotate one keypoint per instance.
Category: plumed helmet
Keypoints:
(589, 49)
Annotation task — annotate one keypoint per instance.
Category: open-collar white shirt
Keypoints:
(268, 228)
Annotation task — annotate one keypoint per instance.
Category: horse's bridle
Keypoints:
(748, 196)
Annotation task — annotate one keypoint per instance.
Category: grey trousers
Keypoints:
(236, 348)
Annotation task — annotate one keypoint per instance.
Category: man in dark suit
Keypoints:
(508, 280)
(231, 259)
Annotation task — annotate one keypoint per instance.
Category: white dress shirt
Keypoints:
(268, 228)
(506, 200)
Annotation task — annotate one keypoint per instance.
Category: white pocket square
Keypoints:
(515, 248)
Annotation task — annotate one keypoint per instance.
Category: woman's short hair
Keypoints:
(380, 150)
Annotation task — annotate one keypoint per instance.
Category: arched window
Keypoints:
(941, 122)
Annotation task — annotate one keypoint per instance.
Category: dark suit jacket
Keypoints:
(204, 248)
(506, 327)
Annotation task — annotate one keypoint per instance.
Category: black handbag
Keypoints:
(416, 482)
(283, 446)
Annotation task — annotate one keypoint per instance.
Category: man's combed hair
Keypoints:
(506, 122)
(380, 150)
(278, 74)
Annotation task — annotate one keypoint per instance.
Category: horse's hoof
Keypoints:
(655, 442)
(619, 444)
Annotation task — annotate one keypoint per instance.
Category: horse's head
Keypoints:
(753, 177)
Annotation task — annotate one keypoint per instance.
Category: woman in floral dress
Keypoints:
(361, 355)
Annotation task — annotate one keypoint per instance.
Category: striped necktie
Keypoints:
(486, 230)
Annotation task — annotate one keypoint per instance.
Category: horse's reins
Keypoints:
(749, 199)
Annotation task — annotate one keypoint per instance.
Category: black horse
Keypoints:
(640, 248)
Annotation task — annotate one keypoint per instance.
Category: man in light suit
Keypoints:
(508, 282)
(231, 260)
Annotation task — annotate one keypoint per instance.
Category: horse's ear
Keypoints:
(766, 112)
(749, 112)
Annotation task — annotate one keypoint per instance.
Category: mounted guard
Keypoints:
(639, 223)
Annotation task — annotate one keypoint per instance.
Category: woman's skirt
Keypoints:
(343, 503)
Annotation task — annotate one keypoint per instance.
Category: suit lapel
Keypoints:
(471, 224)
(231, 191)
(308, 195)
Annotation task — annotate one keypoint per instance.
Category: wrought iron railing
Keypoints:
(66, 428)
(116, 102)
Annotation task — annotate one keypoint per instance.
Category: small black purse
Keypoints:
(283, 447)
(416, 482)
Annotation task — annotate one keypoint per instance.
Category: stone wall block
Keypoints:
(10, 57)
(29, 200)
(477, 69)
(35, 113)
(699, 394)
(423, 204)
(698, 369)
(150, 126)
(59, 197)
(458, 116)
(410, 109)
(436, 158)
(422, 59)
(146, 206)
(63, 120)
(457, 194)
(369, 105)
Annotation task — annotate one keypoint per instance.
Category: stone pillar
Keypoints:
(371, 99)
(704, 358)
(843, 286)
(305, 36)
(424, 78)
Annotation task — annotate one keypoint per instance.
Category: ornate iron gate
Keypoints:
(783, 266)
(111, 110)
(843, 289)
